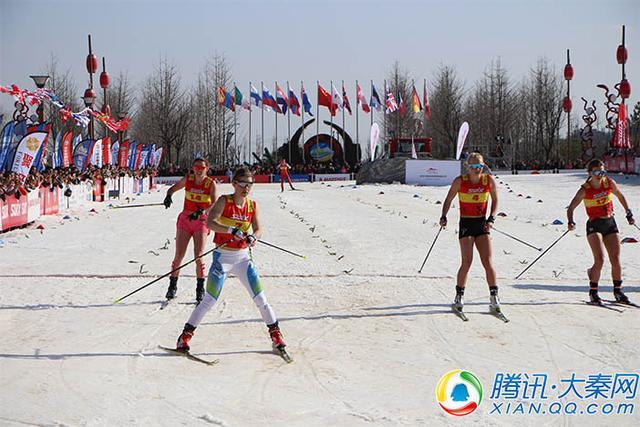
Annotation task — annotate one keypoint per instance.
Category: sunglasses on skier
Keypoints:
(477, 166)
(599, 173)
(244, 184)
(199, 168)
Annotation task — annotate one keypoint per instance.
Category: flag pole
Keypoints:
(289, 123)
(302, 115)
(275, 148)
(262, 114)
(250, 109)
(317, 117)
(424, 90)
(357, 127)
(331, 119)
(344, 146)
(235, 121)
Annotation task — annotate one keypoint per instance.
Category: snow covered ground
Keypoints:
(369, 335)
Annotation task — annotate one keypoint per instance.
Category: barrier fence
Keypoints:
(18, 212)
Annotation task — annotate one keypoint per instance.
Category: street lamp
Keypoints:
(40, 81)
(89, 98)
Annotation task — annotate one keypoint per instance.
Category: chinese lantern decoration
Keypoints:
(568, 72)
(622, 54)
(625, 89)
(567, 104)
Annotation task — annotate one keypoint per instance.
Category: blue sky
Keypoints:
(322, 40)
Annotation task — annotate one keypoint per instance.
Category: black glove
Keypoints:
(236, 233)
(251, 240)
(629, 215)
(491, 219)
(194, 216)
(167, 201)
(67, 192)
(443, 221)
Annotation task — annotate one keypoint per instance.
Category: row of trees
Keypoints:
(507, 117)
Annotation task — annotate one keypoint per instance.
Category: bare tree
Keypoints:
(490, 111)
(163, 114)
(120, 98)
(212, 121)
(447, 104)
(399, 124)
(541, 111)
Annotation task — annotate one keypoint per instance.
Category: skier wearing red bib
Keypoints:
(284, 174)
(602, 230)
(200, 194)
(473, 190)
(233, 218)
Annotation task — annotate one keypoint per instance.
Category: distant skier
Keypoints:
(200, 194)
(602, 229)
(474, 189)
(231, 218)
(284, 174)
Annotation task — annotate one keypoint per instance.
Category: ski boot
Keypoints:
(183, 340)
(458, 302)
(276, 337)
(173, 288)
(594, 298)
(199, 290)
(620, 296)
(494, 302)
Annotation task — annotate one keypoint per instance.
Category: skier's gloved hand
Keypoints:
(194, 216)
(630, 217)
(443, 221)
(251, 240)
(571, 225)
(167, 201)
(236, 233)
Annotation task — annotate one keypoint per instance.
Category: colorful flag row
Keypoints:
(334, 100)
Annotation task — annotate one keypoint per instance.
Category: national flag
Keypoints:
(255, 97)
(269, 101)
(347, 105)
(336, 98)
(402, 107)
(427, 104)
(228, 101)
(375, 102)
(390, 103)
(416, 106)
(281, 99)
(294, 104)
(362, 102)
(221, 95)
(237, 95)
(324, 99)
(305, 101)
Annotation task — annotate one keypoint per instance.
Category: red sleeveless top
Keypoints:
(234, 216)
(598, 201)
(474, 198)
(197, 195)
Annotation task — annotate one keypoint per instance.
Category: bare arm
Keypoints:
(255, 224)
(577, 199)
(214, 196)
(177, 186)
(453, 191)
(623, 201)
(493, 191)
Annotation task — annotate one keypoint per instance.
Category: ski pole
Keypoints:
(540, 256)
(636, 226)
(165, 275)
(428, 253)
(136, 206)
(282, 249)
(516, 239)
